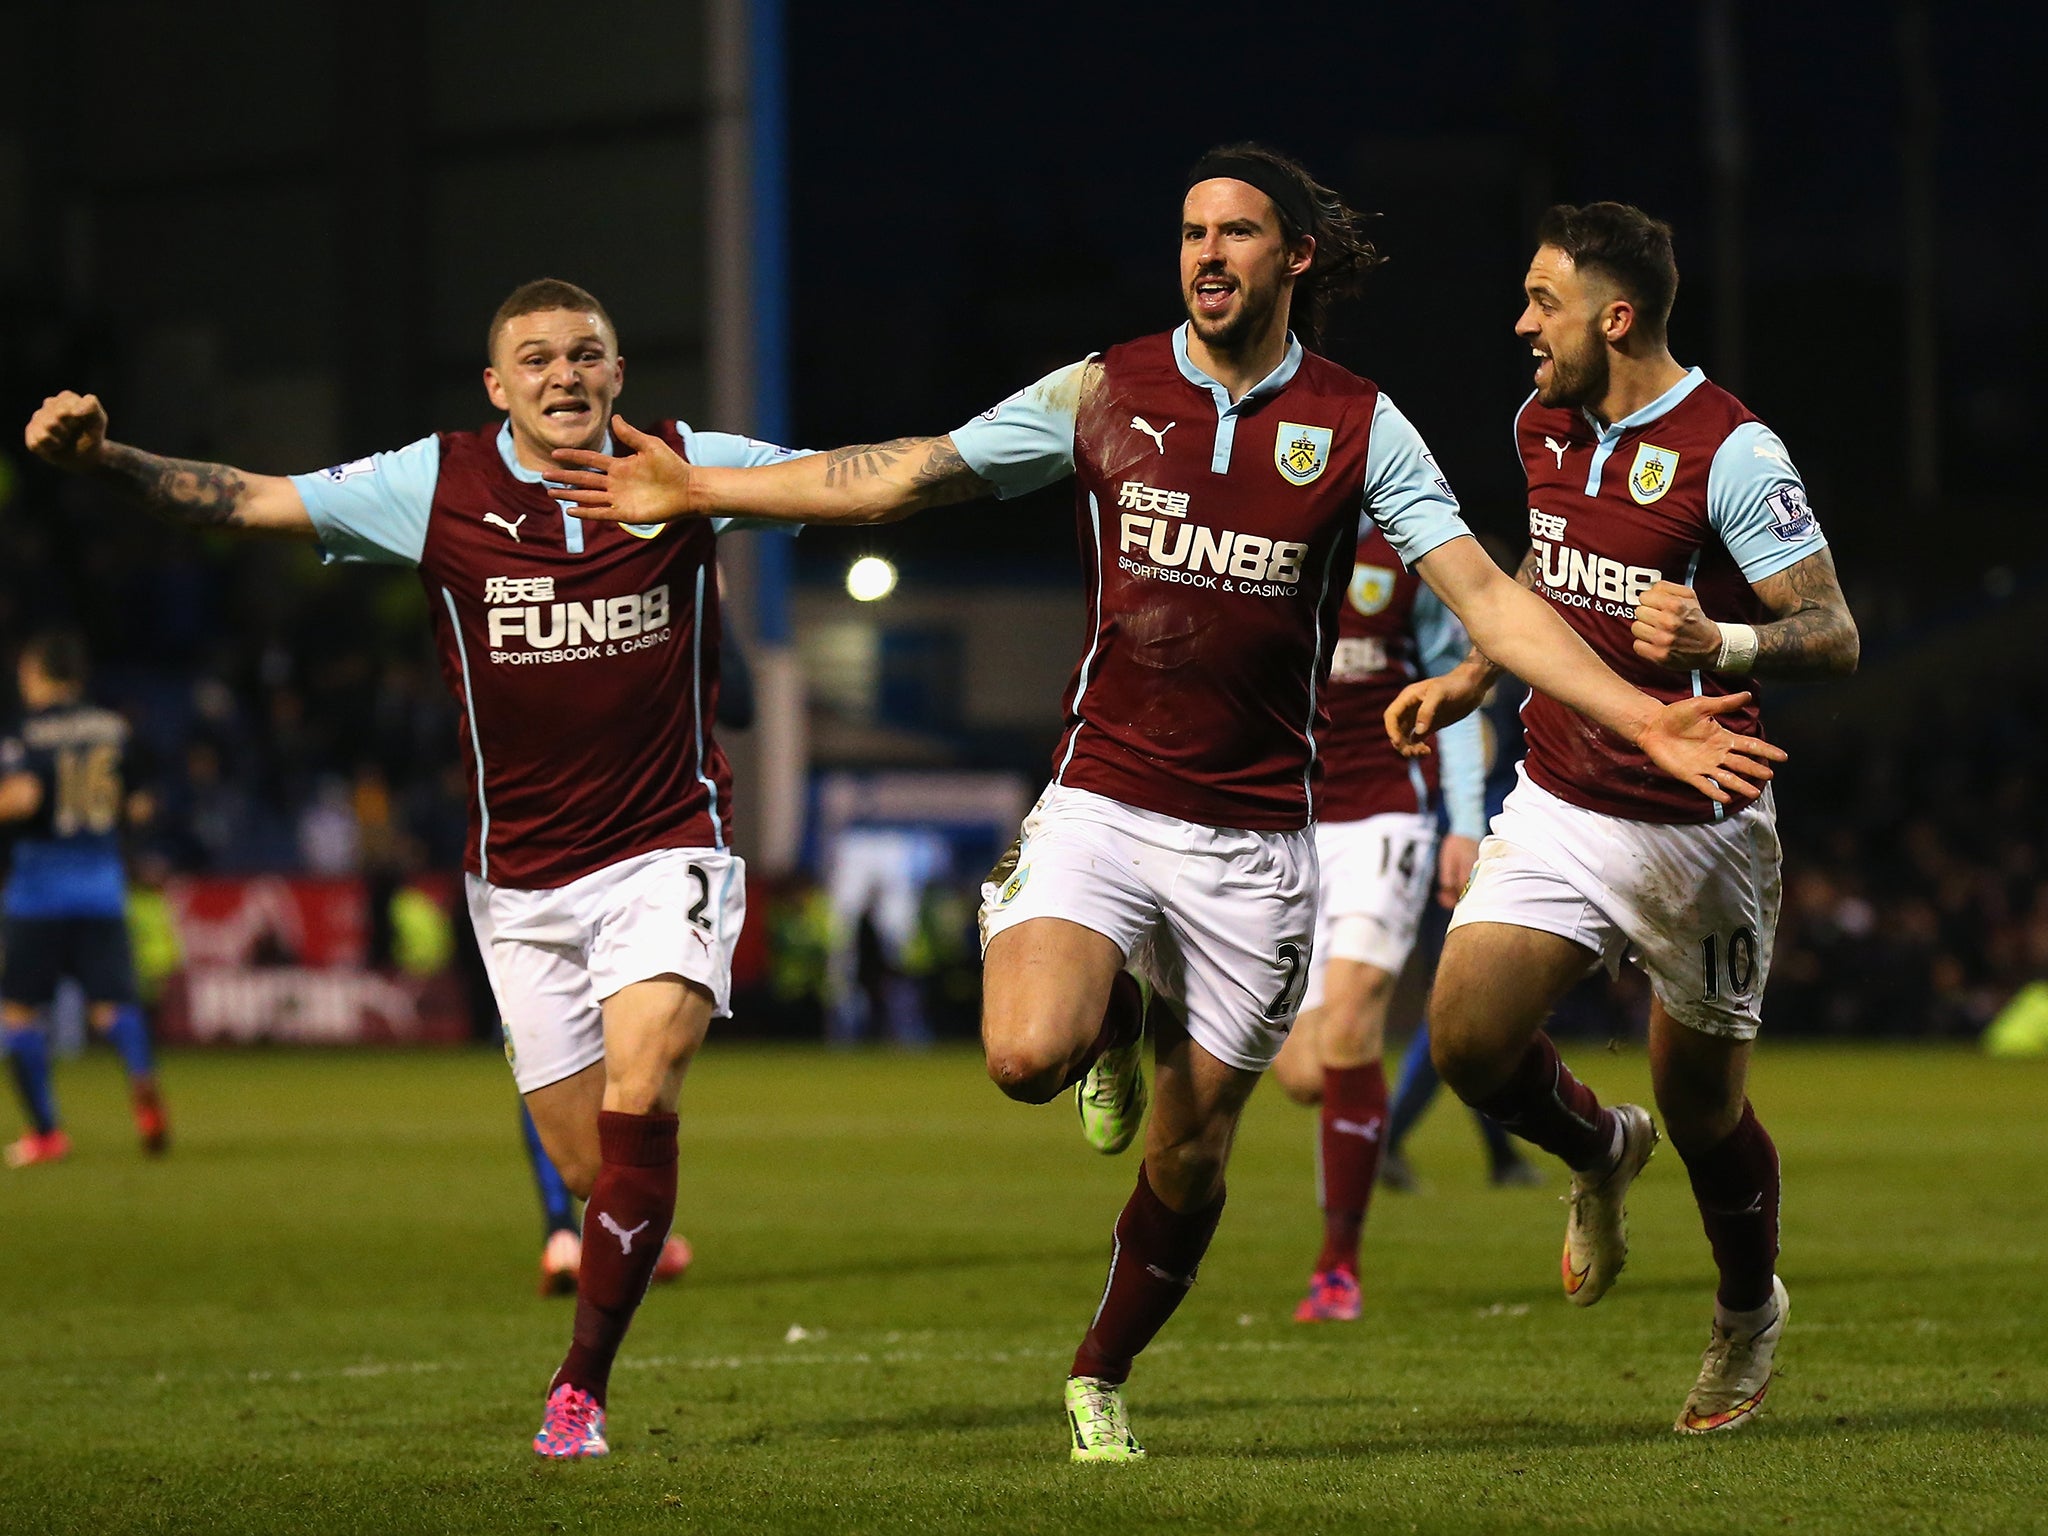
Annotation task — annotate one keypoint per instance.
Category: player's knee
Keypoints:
(1697, 1121)
(1464, 1060)
(1189, 1174)
(1029, 1056)
(1301, 1086)
(1025, 1074)
(1353, 1038)
(1299, 1068)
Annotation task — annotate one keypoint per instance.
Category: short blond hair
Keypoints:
(545, 293)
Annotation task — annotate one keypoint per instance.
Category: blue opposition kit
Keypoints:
(65, 899)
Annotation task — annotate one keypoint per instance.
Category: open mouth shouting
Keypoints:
(568, 412)
(1213, 292)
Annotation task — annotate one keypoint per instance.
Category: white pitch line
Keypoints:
(793, 1355)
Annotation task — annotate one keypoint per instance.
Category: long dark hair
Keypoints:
(1343, 253)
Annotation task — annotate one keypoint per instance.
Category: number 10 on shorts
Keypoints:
(1738, 951)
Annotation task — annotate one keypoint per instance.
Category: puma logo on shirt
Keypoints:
(511, 528)
(1557, 448)
(1157, 434)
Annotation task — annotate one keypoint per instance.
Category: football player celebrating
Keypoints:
(63, 789)
(1655, 500)
(1221, 471)
(1377, 850)
(584, 659)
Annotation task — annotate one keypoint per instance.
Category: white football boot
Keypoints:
(1596, 1231)
(1735, 1372)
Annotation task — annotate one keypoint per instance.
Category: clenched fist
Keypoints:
(1671, 630)
(69, 430)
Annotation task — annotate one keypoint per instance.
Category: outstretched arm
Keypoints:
(1025, 442)
(1463, 688)
(866, 483)
(70, 431)
(1511, 627)
(1520, 631)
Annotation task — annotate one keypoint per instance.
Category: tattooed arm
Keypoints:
(1810, 634)
(867, 483)
(1025, 442)
(902, 476)
(70, 431)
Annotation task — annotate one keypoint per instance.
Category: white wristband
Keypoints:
(1738, 648)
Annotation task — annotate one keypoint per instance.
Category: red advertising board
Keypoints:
(276, 960)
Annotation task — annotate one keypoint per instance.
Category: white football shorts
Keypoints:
(1696, 905)
(554, 956)
(1376, 878)
(1218, 919)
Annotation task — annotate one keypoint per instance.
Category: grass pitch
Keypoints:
(317, 1315)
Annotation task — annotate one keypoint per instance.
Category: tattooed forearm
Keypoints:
(182, 490)
(944, 476)
(866, 461)
(1811, 633)
(923, 471)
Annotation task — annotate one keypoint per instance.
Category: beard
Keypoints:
(1255, 308)
(1577, 382)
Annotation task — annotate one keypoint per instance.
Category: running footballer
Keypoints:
(1221, 472)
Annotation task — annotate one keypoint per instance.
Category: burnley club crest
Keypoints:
(1301, 453)
(1372, 588)
(1650, 476)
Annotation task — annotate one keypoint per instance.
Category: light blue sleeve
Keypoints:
(1756, 502)
(731, 450)
(1440, 644)
(374, 509)
(1027, 442)
(1405, 493)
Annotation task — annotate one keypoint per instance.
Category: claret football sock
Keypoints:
(1354, 1117)
(1123, 1021)
(626, 1221)
(1736, 1185)
(28, 1053)
(130, 1035)
(1543, 1103)
(1152, 1264)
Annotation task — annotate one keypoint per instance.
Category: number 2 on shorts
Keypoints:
(1287, 1002)
(698, 919)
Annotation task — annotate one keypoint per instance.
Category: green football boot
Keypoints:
(1111, 1097)
(1102, 1431)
